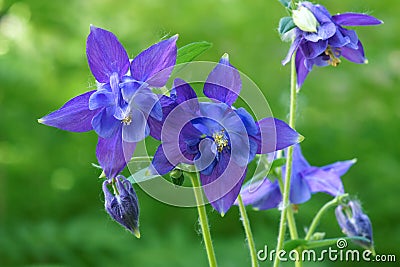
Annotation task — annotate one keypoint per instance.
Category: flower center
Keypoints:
(220, 140)
(333, 56)
(127, 120)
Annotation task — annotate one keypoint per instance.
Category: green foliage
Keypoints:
(285, 25)
(191, 51)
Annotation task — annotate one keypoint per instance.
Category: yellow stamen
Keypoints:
(333, 57)
(220, 140)
(127, 120)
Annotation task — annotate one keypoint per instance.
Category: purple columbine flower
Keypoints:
(354, 223)
(217, 138)
(123, 205)
(324, 40)
(118, 111)
(305, 181)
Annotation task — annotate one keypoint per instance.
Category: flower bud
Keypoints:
(123, 206)
(177, 177)
(305, 20)
(355, 223)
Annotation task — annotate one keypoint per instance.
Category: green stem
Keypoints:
(289, 160)
(205, 230)
(334, 202)
(249, 234)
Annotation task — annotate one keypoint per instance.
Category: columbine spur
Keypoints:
(218, 139)
(120, 109)
(322, 40)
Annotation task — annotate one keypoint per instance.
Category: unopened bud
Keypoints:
(305, 20)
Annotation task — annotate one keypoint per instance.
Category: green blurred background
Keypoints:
(51, 203)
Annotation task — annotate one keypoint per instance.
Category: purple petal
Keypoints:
(275, 135)
(299, 190)
(104, 122)
(351, 35)
(208, 152)
(73, 116)
(294, 46)
(223, 83)
(101, 99)
(167, 104)
(223, 185)
(319, 180)
(113, 154)
(340, 167)
(138, 129)
(355, 55)
(148, 103)
(355, 19)
(160, 164)
(105, 55)
(299, 162)
(185, 96)
(313, 49)
(301, 69)
(339, 39)
(262, 194)
(154, 65)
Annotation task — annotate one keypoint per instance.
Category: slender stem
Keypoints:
(289, 160)
(205, 230)
(334, 202)
(249, 234)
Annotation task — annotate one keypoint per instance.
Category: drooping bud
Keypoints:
(304, 19)
(177, 177)
(122, 206)
(355, 223)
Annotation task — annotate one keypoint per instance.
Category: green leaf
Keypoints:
(285, 3)
(285, 25)
(278, 163)
(189, 52)
(293, 244)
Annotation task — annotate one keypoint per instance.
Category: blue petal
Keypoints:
(355, 19)
(274, 135)
(154, 65)
(74, 116)
(313, 49)
(355, 55)
(299, 190)
(148, 103)
(113, 154)
(293, 47)
(340, 167)
(248, 121)
(104, 122)
(138, 129)
(262, 194)
(101, 99)
(160, 164)
(223, 83)
(301, 69)
(105, 55)
(186, 97)
(167, 105)
(319, 180)
(206, 156)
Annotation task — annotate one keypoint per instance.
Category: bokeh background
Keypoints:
(51, 203)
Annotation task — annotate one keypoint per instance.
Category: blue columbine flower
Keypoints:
(122, 104)
(217, 138)
(123, 205)
(324, 43)
(305, 180)
(355, 223)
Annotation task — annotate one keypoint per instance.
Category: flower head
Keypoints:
(217, 138)
(122, 206)
(119, 111)
(321, 39)
(305, 181)
(355, 223)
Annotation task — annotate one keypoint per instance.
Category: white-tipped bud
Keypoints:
(305, 20)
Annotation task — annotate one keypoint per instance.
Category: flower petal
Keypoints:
(167, 105)
(104, 122)
(275, 135)
(355, 19)
(313, 49)
(160, 164)
(340, 167)
(223, 83)
(355, 55)
(105, 55)
(293, 47)
(113, 154)
(100, 99)
(301, 69)
(185, 96)
(138, 129)
(74, 116)
(319, 180)
(262, 194)
(154, 65)
(207, 154)
(299, 190)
